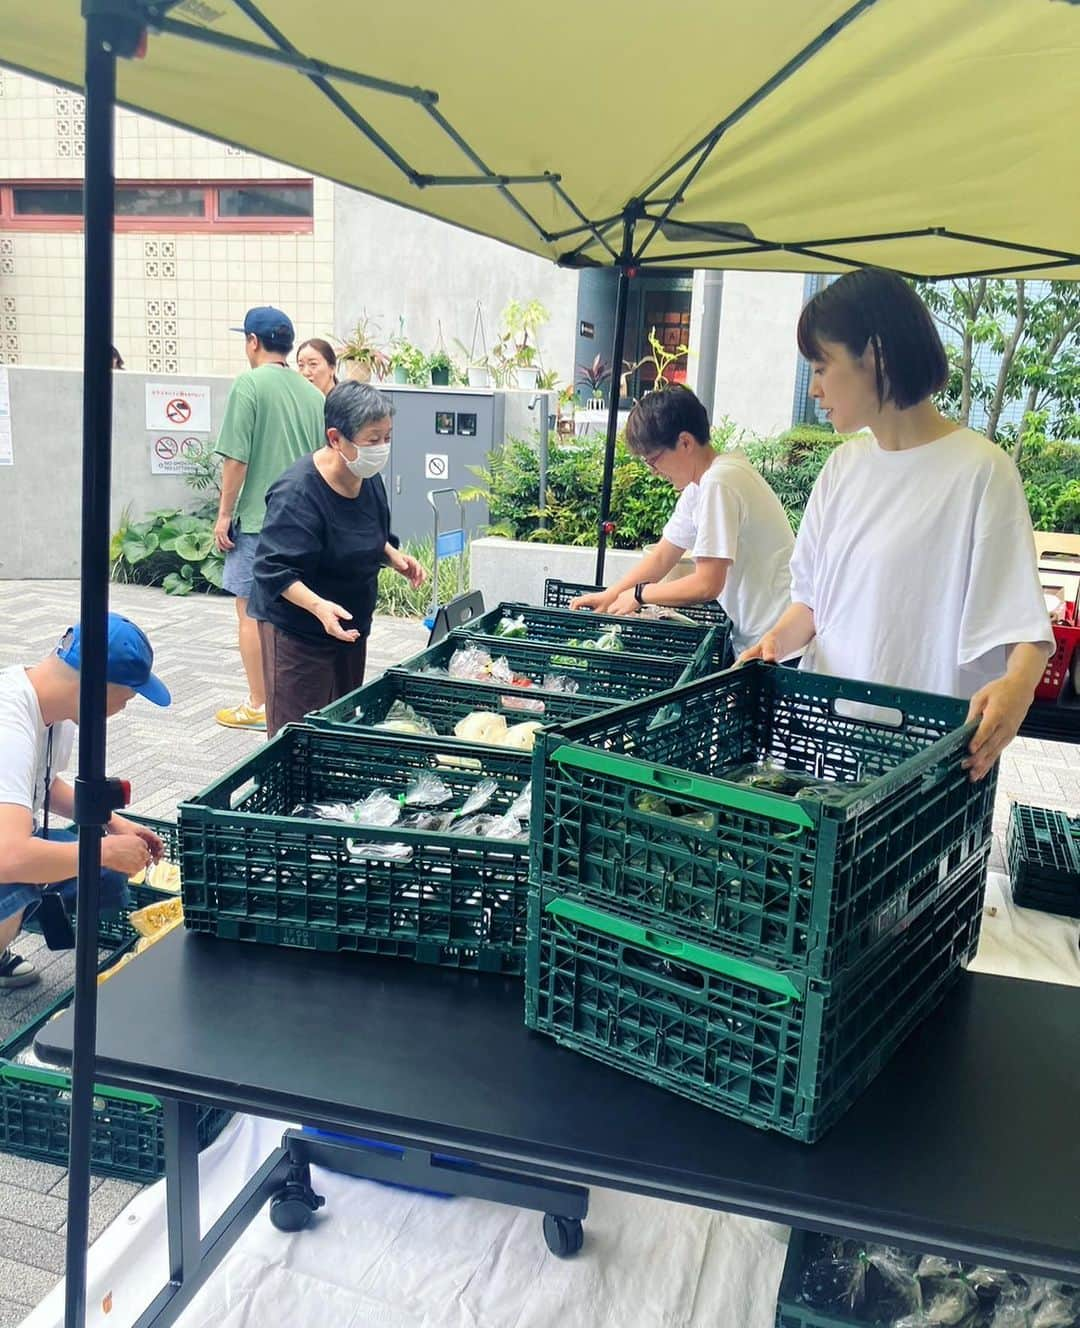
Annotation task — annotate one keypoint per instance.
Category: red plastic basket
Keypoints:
(1056, 677)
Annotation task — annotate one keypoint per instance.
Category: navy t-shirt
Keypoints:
(333, 544)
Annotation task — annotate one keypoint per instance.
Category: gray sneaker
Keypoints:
(15, 971)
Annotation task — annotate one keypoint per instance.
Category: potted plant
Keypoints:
(515, 352)
(438, 364)
(594, 377)
(359, 356)
(439, 367)
(478, 367)
(408, 362)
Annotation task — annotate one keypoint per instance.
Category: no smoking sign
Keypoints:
(436, 465)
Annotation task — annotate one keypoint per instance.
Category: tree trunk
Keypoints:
(1009, 354)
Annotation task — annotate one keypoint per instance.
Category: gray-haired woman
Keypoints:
(324, 539)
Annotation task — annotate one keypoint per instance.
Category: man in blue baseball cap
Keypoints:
(272, 417)
(39, 711)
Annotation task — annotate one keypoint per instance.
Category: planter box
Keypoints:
(503, 569)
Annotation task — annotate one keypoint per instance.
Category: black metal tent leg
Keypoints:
(617, 346)
(107, 35)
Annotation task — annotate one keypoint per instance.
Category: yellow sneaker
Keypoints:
(243, 716)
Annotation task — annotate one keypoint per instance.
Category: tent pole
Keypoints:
(90, 804)
(626, 272)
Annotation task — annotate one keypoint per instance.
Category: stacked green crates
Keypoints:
(558, 594)
(444, 702)
(607, 675)
(1043, 848)
(760, 952)
(255, 871)
(126, 1133)
(643, 636)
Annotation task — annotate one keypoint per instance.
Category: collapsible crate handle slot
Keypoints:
(241, 794)
(670, 947)
(654, 966)
(703, 788)
(887, 717)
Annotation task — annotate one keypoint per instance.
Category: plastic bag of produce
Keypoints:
(521, 737)
(512, 627)
(481, 726)
(402, 718)
(428, 790)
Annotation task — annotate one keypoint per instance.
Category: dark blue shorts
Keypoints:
(25, 899)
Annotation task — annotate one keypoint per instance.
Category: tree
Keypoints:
(1033, 330)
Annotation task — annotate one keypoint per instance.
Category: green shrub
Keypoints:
(168, 548)
(397, 598)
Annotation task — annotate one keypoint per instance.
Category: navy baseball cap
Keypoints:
(268, 324)
(130, 662)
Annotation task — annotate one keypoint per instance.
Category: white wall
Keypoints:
(757, 355)
(391, 262)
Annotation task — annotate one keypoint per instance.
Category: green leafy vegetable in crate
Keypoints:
(512, 627)
(610, 639)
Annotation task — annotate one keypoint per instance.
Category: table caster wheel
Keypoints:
(563, 1235)
(291, 1209)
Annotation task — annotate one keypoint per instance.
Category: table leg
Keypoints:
(193, 1260)
(181, 1188)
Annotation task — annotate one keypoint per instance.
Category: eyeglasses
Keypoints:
(652, 459)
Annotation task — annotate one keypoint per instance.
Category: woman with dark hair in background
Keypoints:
(915, 562)
(324, 539)
(317, 362)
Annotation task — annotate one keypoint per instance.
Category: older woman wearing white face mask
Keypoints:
(324, 539)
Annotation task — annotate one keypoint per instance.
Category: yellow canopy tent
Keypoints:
(935, 137)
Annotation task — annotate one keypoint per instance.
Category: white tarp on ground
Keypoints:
(377, 1256)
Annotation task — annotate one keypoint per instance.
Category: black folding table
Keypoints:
(967, 1143)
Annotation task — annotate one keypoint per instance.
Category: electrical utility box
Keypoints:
(438, 434)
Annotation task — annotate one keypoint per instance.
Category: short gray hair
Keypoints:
(352, 406)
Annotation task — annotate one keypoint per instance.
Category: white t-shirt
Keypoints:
(919, 565)
(24, 739)
(732, 513)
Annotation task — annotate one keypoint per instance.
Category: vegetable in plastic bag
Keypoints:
(378, 808)
(428, 790)
(557, 682)
(505, 827)
(379, 852)
(1057, 1310)
(481, 726)
(428, 820)
(479, 798)
(521, 807)
(521, 737)
(512, 627)
(402, 718)
(835, 1283)
(531, 704)
(653, 804)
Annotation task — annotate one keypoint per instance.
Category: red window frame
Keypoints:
(212, 221)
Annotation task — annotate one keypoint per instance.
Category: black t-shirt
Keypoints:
(333, 544)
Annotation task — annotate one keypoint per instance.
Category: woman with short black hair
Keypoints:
(325, 536)
(915, 563)
(726, 515)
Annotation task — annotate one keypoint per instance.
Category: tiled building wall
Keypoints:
(176, 296)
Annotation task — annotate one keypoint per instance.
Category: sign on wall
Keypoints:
(173, 454)
(172, 407)
(7, 452)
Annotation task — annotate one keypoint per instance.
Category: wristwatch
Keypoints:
(639, 593)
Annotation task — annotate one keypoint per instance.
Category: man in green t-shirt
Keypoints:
(272, 417)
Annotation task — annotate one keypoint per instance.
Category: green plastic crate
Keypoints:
(1043, 848)
(642, 636)
(445, 701)
(778, 1050)
(790, 882)
(114, 929)
(254, 872)
(558, 594)
(791, 1311)
(608, 675)
(127, 1134)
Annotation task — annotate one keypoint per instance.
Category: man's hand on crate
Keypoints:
(126, 854)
